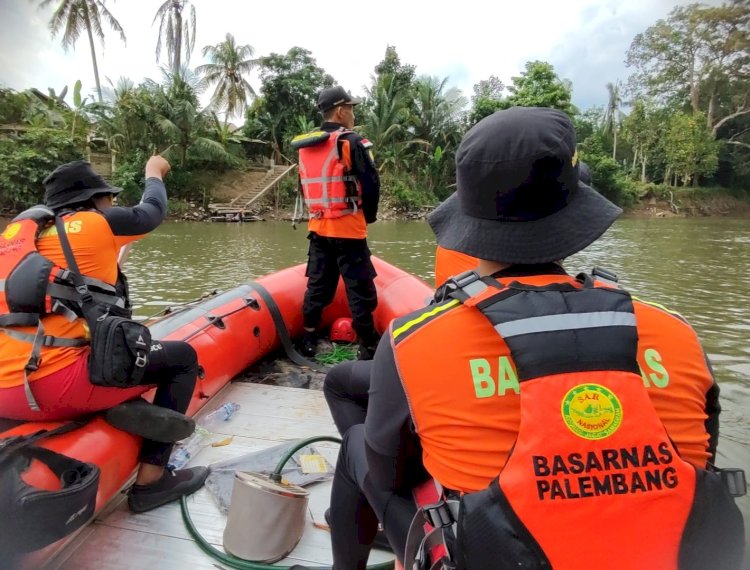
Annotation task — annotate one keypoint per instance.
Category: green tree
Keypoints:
(290, 84)
(612, 115)
(13, 106)
(79, 110)
(76, 16)
(539, 86)
(229, 67)
(183, 126)
(27, 158)
(437, 120)
(385, 125)
(690, 149)
(643, 128)
(402, 74)
(487, 98)
(693, 57)
(177, 34)
(125, 120)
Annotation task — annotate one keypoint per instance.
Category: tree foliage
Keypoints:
(290, 84)
(176, 33)
(76, 16)
(27, 158)
(539, 86)
(230, 65)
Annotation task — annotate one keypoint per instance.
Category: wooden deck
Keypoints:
(119, 539)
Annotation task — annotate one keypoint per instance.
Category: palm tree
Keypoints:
(76, 16)
(173, 30)
(612, 115)
(228, 64)
(181, 123)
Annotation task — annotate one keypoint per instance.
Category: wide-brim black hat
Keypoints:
(518, 197)
(74, 182)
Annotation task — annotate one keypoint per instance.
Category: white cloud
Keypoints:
(586, 40)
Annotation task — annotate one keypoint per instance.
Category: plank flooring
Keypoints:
(118, 539)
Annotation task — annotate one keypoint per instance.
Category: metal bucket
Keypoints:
(266, 519)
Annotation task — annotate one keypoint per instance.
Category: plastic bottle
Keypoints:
(185, 450)
(219, 415)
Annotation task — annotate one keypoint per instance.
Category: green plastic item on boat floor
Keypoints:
(239, 563)
(339, 353)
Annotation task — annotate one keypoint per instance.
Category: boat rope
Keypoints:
(337, 354)
(239, 563)
(282, 331)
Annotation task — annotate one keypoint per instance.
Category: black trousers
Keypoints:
(357, 506)
(346, 391)
(329, 258)
(173, 368)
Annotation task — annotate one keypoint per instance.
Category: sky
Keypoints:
(465, 41)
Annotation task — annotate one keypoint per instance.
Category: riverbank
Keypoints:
(677, 203)
(659, 203)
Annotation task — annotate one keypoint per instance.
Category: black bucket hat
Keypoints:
(74, 182)
(335, 96)
(518, 197)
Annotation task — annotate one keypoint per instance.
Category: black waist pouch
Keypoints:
(34, 518)
(119, 351)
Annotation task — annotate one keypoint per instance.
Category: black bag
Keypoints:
(34, 518)
(119, 352)
(120, 347)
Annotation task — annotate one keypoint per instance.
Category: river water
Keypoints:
(698, 267)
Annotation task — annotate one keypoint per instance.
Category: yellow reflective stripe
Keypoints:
(313, 134)
(406, 326)
(658, 306)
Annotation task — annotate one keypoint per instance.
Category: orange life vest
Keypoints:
(329, 190)
(33, 287)
(588, 470)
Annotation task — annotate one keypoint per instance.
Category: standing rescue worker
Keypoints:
(570, 421)
(51, 382)
(341, 190)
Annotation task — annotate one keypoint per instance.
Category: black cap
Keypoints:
(519, 197)
(74, 182)
(335, 96)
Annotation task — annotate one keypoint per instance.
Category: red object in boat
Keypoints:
(230, 332)
(342, 331)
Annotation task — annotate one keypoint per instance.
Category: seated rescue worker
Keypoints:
(449, 262)
(569, 420)
(52, 382)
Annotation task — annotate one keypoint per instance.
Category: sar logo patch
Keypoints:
(11, 231)
(591, 411)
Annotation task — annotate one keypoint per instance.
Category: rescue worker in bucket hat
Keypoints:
(54, 384)
(556, 410)
(341, 189)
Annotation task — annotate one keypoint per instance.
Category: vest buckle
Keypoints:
(604, 274)
(734, 481)
(438, 515)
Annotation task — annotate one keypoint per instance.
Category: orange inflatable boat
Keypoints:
(230, 331)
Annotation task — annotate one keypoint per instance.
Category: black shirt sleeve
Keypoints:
(364, 168)
(394, 453)
(143, 218)
(713, 410)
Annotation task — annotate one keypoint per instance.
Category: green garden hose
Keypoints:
(339, 353)
(239, 563)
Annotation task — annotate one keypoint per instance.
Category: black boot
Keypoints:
(309, 343)
(172, 486)
(367, 346)
(150, 421)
